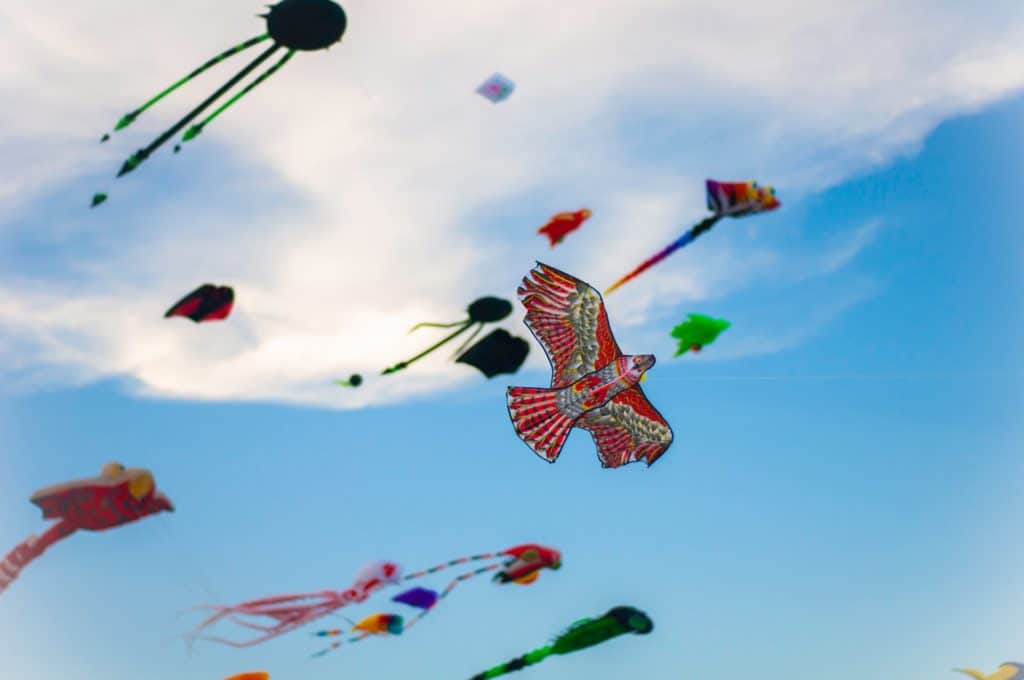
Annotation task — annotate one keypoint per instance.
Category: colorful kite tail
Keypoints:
(518, 664)
(455, 562)
(680, 242)
(28, 550)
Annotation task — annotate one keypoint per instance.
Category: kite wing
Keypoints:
(568, 318)
(205, 303)
(627, 429)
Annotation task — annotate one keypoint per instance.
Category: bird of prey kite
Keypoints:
(1007, 671)
(580, 635)
(593, 385)
(292, 25)
(280, 614)
(206, 303)
(484, 310)
(725, 199)
(697, 332)
(497, 88)
(117, 497)
(523, 569)
(563, 224)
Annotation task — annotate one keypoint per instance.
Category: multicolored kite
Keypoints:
(206, 303)
(497, 88)
(580, 635)
(280, 614)
(725, 199)
(484, 310)
(118, 496)
(527, 563)
(563, 224)
(697, 332)
(292, 25)
(593, 385)
(1007, 671)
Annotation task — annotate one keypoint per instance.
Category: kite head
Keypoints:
(529, 559)
(632, 619)
(489, 310)
(740, 198)
(306, 24)
(633, 368)
(585, 214)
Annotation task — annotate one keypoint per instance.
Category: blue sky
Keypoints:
(841, 498)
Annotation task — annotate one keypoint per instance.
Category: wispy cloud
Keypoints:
(368, 188)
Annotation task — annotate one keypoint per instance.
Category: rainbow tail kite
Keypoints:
(725, 199)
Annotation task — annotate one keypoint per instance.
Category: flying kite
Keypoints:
(280, 614)
(118, 496)
(206, 303)
(354, 380)
(725, 199)
(254, 675)
(292, 25)
(1007, 671)
(484, 310)
(562, 224)
(580, 635)
(697, 332)
(498, 352)
(497, 88)
(593, 385)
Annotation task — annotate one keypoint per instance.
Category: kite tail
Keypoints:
(538, 420)
(534, 657)
(685, 239)
(195, 130)
(28, 550)
(449, 588)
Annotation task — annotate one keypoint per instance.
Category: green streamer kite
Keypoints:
(580, 635)
(292, 25)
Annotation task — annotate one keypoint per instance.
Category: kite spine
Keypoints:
(129, 118)
(195, 130)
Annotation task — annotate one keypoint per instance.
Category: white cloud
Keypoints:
(365, 189)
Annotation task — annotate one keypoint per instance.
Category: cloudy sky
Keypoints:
(843, 452)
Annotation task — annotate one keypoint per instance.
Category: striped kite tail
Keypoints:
(518, 664)
(449, 588)
(452, 563)
(28, 550)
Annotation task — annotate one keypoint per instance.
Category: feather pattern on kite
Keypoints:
(593, 385)
(118, 496)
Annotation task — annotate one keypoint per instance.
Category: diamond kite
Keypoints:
(593, 385)
(725, 199)
(497, 88)
(580, 635)
(118, 496)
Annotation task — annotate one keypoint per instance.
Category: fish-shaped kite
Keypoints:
(725, 199)
(593, 385)
(697, 332)
(1007, 671)
(118, 496)
(580, 635)
(562, 224)
(206, 303)
(497, 88)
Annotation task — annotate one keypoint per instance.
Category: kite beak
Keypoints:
(644, 362)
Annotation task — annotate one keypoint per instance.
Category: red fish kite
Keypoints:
(206, 303)
(118, 496)
(563, 224)
(593, 385)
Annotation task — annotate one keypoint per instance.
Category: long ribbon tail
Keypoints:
(29, 549)
(197, 129)
(451, 586)
(129, 118)
(517, 664)
(680, 242)
(404, 364)
(137, 158)
(334, 645)
(452, 563)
